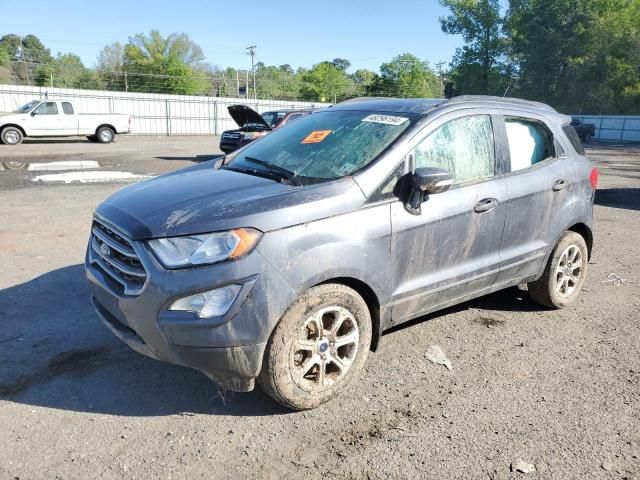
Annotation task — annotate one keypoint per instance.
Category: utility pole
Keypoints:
(24, 63)
(439, 65)
(252, 52)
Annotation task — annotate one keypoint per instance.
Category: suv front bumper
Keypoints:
(229, 348)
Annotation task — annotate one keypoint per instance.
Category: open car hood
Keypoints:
(244, 115)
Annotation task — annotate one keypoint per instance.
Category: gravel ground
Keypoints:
(556, 389)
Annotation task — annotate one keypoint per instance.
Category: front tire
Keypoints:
(105, 135)
(11, 136)
(318, 348)
(564, 275)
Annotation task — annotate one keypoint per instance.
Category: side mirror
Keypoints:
(426, 181)
(34, 113)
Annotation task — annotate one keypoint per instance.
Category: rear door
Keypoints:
(452, 249)
(540, 181)
(69, 119)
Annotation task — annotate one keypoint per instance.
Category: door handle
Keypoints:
(560, 185)
(485, 205)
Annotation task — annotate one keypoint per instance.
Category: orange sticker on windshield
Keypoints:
(317, 136)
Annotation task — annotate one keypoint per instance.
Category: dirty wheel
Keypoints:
(564, 274)
(11, 136)
(105, 135)
(318, 348)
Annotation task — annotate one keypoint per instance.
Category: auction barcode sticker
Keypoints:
(385, 119)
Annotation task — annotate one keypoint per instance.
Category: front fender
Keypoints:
(355, 245)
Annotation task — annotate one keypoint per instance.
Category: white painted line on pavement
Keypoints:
(64, 165)
(90, 177)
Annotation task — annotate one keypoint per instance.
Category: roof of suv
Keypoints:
(426, 105)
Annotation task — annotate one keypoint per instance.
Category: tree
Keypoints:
(324, 82)
(406, 76)
(109, 67)
(364, 78)
(66, 71)
(341, 64)
(168, 65)
(477, 67)
(550, 41)
(27, 53)
(5, 65)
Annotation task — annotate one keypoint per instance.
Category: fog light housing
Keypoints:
(213, 303)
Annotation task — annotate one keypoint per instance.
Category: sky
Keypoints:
(299, 33)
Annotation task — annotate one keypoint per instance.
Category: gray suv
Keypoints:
(286, 260)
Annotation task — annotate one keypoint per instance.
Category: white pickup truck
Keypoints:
(58, 118)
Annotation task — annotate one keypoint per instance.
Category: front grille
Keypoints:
(116, 257)
(230, 136)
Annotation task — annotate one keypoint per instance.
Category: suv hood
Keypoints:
(244, 115)
(202, 199)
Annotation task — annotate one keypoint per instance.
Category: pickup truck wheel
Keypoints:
(587, 137)
(564, 274)
(318, 348)
(11, 136)
(105, 135)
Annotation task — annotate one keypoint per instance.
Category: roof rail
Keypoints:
(501, 101)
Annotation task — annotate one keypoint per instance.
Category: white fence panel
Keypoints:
(621, 128)
(152, 114)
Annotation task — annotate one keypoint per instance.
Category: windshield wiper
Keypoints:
(281, 172)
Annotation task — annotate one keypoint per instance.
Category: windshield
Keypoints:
(28, 106)
(273, 119)
(326, 145)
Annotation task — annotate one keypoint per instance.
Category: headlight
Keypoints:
(252, 135)
(175, 252)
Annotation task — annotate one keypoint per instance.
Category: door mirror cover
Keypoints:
(431, 180)
(427, 181)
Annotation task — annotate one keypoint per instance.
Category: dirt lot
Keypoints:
(558, 389)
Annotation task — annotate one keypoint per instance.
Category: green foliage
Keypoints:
(166, 65)
(5, 65)
(406, 76)
(477, 67)
(28, 55)
(325, 82)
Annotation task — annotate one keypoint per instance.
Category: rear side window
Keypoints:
(464, 147)
(47, 108)
(530, 143)
(572, 135)
(67, 108)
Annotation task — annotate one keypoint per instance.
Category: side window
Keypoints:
(47, 108)
(530, 142)
(387, 188)
(464, 147)
(67, 108)
(572, 135)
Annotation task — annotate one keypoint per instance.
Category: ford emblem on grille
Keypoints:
(105, 250)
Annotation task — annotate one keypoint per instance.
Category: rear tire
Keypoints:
(11, 136)
(587, 138)
(564, 275)
(318, 348)
(105, 135)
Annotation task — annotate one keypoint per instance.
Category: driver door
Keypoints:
(45, 120)
(452, 249)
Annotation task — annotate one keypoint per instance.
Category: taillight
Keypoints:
(593, 178)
